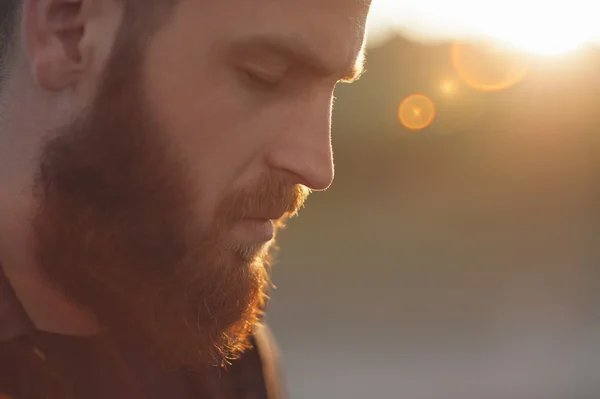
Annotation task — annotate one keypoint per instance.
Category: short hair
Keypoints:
(9, 16)
(155, 13)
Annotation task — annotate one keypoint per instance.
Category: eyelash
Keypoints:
(263, 81)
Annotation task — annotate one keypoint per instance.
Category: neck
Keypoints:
(47, 307)
(49, 310)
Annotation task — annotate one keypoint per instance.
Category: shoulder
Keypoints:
(268, 351)
(259, 369)
(25, 374)
(256, 374)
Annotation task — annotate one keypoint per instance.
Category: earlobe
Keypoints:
(53, 33)
(55, 73)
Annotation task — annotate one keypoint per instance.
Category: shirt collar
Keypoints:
(14, 321)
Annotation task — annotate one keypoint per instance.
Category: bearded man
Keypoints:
(149, 152)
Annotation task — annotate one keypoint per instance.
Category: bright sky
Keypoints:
(539, 26)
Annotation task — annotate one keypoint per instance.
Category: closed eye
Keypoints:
(263, 79)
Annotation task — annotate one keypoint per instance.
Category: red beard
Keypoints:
(116, 231)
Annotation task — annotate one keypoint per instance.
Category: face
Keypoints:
(159, 200)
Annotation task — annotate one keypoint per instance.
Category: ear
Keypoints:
(53, 32)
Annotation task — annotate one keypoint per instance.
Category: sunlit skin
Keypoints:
(144, 173)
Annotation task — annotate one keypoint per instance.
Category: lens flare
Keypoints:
(488, 69)
(448, 87)
(416, 112)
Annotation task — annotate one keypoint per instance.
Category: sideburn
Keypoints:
(114, 231)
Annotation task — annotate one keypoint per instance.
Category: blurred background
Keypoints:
(456, 254)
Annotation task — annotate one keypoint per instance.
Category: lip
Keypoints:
(254, 230)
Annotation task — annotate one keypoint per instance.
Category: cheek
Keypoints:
(207, 124)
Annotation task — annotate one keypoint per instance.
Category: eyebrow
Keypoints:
(301, 53)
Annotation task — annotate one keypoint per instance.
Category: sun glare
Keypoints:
(541, 46)
(539, 28)
(546, 38)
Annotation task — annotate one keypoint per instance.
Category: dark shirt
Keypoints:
(101, 368)
(35, 364)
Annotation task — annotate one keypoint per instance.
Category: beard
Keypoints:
(116, 230)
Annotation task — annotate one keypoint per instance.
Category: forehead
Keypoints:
(334, 28)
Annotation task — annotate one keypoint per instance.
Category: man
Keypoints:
(149, 152)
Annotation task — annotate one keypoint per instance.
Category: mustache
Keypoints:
(269, 195)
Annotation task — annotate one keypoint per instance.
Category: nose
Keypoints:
(303, 151)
